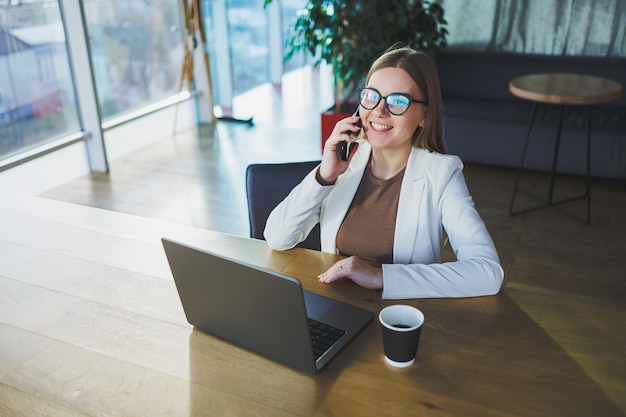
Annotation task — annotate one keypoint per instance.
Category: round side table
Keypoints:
(563, 90)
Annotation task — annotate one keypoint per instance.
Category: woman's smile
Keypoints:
(377, 127)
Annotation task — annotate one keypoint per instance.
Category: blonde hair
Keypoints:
(422, 68)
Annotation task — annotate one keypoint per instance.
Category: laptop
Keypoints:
(263, 311)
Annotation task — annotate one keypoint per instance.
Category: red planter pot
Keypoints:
(329, 120)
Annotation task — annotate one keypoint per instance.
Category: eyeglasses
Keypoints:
(396, 103)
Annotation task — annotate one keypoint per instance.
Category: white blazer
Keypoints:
(433, 197)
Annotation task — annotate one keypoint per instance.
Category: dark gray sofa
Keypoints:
(485, 123)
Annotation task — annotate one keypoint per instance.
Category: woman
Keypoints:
(387, 206)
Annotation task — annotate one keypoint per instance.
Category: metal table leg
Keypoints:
(521, 162)
(550, 201)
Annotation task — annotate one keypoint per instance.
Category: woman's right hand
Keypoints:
(332, 165)
(364, 273)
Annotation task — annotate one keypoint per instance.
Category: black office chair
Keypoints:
(266, 186)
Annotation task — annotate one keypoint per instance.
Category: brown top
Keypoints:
(368, 228)
(565, 88)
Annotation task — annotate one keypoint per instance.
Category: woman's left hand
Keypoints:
(356, 269)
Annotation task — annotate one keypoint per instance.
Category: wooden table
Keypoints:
(91, 325)
(563, 90)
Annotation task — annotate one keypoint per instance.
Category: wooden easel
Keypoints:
(193, 23)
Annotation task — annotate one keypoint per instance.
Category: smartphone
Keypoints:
(344, 146)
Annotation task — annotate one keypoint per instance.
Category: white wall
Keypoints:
(52, 170)
(45, 172)
(134, 135)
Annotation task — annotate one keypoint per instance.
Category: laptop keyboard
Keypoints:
(323, 337)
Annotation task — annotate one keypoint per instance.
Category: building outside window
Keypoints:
(136, 52)
(37, 101)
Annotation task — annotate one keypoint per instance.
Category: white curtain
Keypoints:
(547, 27)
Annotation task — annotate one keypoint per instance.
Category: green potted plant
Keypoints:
(350, 34)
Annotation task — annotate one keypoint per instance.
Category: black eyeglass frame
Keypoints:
(381, 97)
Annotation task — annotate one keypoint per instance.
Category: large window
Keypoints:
(248, 32)
(136, 52)
(37, 103)
(290, 9)
(61, 82)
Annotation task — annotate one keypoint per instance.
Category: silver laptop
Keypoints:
(260, 310)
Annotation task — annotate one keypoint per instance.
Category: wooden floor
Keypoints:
(197, 178)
